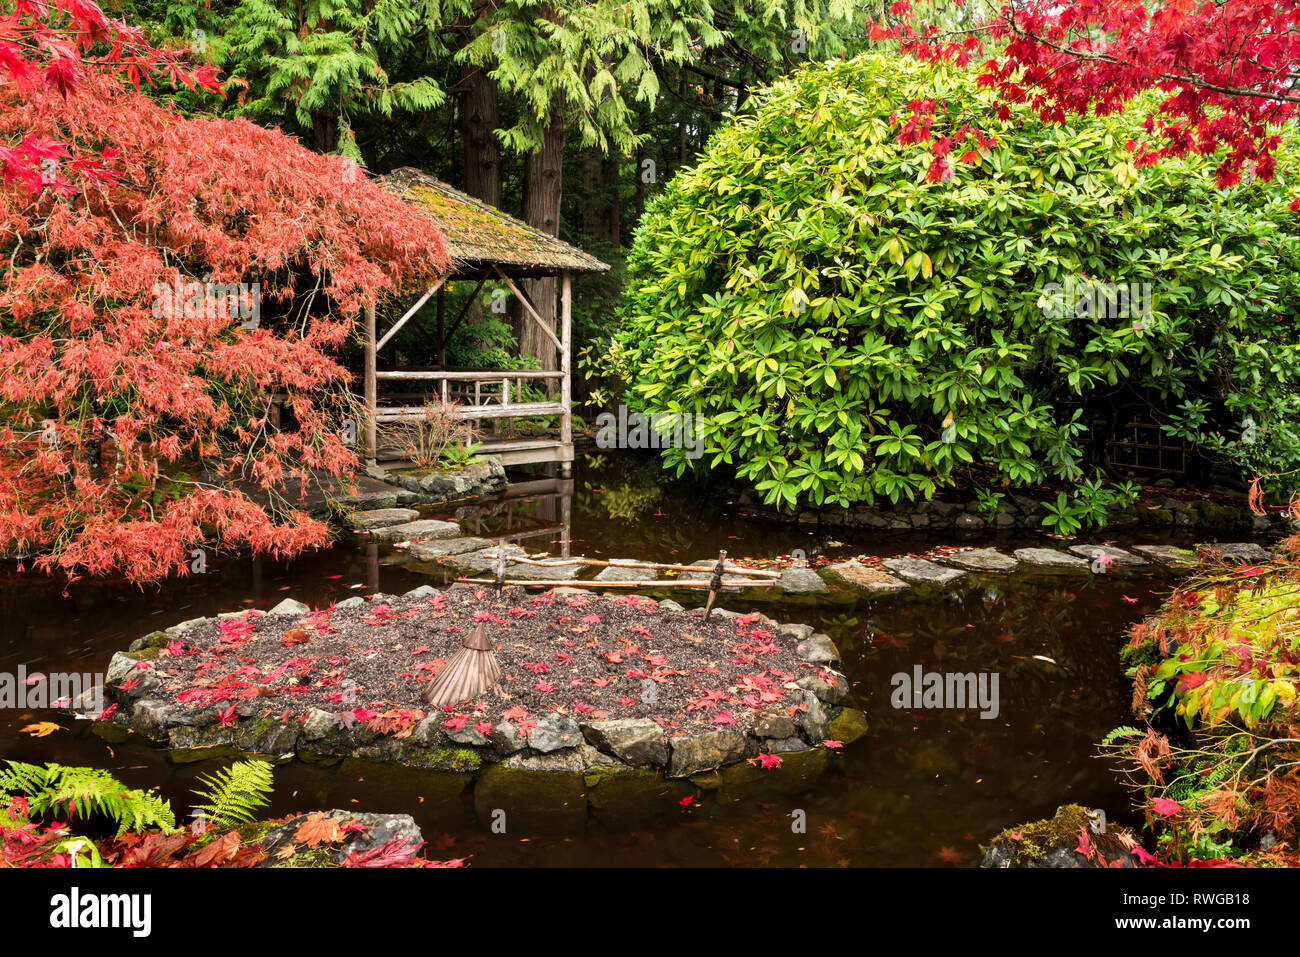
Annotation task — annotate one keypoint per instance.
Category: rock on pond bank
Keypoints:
(592, 686)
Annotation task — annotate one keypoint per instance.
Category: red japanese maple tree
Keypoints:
(134, 403)
(1226, 68)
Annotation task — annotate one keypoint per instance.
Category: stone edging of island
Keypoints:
(807, 716)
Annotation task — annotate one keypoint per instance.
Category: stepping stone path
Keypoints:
(383, 517)
(1049, 558)
(981, 560)
(1167, 554)
(410, 531)
(1120, 556)
(623, 574)
(867, 577)
(801, 581)
(441, 548)
(548, 572)
(921, 571)
(474, 563)
(1236, 551)
(731, 568)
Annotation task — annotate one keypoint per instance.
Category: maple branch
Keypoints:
(1190, 79)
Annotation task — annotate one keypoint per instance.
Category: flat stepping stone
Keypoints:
(1168, 554)
(922, 572)
(1237, 551)
(426, 528)
(734, 570)
(548, 572)
(867, 577)
(472, 563)
(1048, 558)
(621, 573)
(981, 560)
(801, 581)
(1121, 557)
(383, 517)
(441, 548)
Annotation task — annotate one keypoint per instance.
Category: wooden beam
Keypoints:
(566, 335)
(652, 584)
(371, 392)
(464, 310)
(486, 375)
(442, 328)
(409, 313)
(529, 307)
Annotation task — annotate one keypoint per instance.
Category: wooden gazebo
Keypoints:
(485, 244)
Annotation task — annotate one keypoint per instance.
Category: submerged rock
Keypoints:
(847, 726)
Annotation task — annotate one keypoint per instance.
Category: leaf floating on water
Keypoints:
(41, 728)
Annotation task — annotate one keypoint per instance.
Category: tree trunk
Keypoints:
(542, 195)
(478, 128)
(593, 211)
(324, 131)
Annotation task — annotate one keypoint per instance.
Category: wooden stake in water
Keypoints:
(501, 564)
(715, 584)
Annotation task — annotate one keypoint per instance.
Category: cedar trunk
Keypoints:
(478, 130)
(542, 196)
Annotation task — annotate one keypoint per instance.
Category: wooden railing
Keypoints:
(480, 395)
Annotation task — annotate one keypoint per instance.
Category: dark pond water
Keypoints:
(922, 788)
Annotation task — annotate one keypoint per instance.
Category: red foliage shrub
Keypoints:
(132, 427)
(1225, 68)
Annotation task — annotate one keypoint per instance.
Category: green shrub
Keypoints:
(850, 329)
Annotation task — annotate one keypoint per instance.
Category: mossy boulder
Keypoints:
(847, 726)
(1075, 837)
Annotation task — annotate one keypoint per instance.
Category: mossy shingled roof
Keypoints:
(479, 235)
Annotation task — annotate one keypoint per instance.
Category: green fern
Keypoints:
(235, 793)
(80, 792)
(1124, 731)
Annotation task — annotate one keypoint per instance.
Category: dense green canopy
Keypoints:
(857, 316)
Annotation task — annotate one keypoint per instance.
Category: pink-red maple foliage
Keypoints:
(1225, 68)
(130, 434)
(56, 45)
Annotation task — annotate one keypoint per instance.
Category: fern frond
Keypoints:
(234, 793)
(80, 792)
(1121, 732)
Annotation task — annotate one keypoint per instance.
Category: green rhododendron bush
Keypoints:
(857, 315)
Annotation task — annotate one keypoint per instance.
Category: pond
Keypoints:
(924, 787)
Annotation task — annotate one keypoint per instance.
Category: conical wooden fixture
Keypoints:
(469, 673)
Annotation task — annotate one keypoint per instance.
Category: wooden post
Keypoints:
(442, 330)
(372, 400)
(566, 387)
